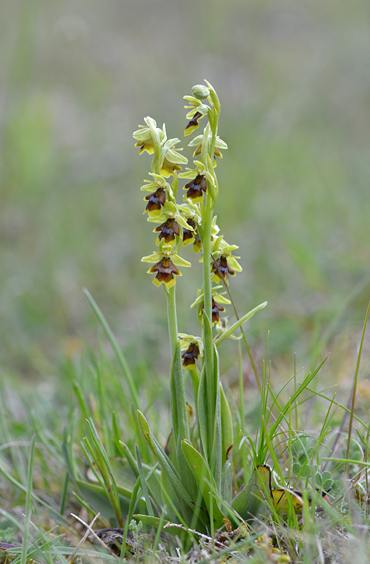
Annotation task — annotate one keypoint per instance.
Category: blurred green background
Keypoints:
(77, 77)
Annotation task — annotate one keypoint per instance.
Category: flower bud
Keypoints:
(200, 91)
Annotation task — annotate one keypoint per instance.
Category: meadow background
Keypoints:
(77, 77)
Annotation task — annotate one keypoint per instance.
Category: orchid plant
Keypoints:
(191, 486)
(197, 463)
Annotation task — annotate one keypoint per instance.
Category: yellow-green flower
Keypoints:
(144, 136)
(218, 301)
(190, 356)
(197, 111)
(165, 266)
(188, 235)
(224, 263)
(221, 270)
(172, 159)
(219, 145)
(165, 272)
(192, 347)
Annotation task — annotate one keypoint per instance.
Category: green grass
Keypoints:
(294, 196)
(49, 439)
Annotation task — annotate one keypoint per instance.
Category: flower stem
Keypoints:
(172, 317)
(207, 282)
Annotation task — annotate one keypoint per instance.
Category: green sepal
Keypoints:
(189, 175)
(220, 299)
(233, 263)
(193, 101)
(201, 108)
(155, 257)
(176, 259)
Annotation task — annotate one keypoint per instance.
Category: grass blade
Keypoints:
(355, 385)
(115, 346)
(202, 474)
(23, 558)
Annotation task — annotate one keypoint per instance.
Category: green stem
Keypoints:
(211, 384)
(207, 283)
(172, 317)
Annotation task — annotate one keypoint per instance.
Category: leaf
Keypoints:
(238, 323)
(249, 502)
(227, 482)
(227, 427)
(216, 464)
(285, 501)
(97, 497)
(144, 426)
(180, 419)
(202, 411)
(204, 480)
(182, 494)
(115, 346)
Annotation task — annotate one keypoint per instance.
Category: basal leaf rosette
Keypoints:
(165, 263)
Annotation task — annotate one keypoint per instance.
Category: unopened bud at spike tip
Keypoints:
(200, 91)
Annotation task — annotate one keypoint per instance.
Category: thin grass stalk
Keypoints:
(26, 532)
(144, 484)
(254, 368)
(116, 348)
(172, 317)
(355, 386)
